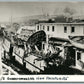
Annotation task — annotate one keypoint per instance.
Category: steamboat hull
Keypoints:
(18, 55)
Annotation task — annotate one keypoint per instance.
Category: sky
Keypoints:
(21, 9)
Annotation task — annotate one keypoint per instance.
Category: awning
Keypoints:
(67, 44)
(58, 41)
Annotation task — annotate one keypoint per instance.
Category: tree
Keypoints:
(16, 26)
(69, 12)
(58, 11)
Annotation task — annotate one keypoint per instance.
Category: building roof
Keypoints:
(54, 23)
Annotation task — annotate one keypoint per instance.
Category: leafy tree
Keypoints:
(69, 12)
(16, 26)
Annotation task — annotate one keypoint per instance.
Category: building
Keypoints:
(77, 43)
(57, 33)
(61, 30)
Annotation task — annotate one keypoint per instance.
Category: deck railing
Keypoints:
(7, 70)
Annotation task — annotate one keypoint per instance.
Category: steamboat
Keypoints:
(28, 51)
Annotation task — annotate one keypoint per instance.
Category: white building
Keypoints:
(60, 31)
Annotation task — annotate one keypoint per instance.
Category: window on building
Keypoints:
(53, 28)
(43, 27)
(83, 30)
(38, 27)
(47, 28)
(78, 55)
(65, 29)
(72, 29)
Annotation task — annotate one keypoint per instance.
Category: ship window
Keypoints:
(65, 29)
(78, 55)
(72, 29)
(43, 46)
(47, 28)
(53, 28)
(19, 52)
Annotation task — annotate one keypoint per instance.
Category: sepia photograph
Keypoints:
(42, 38)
